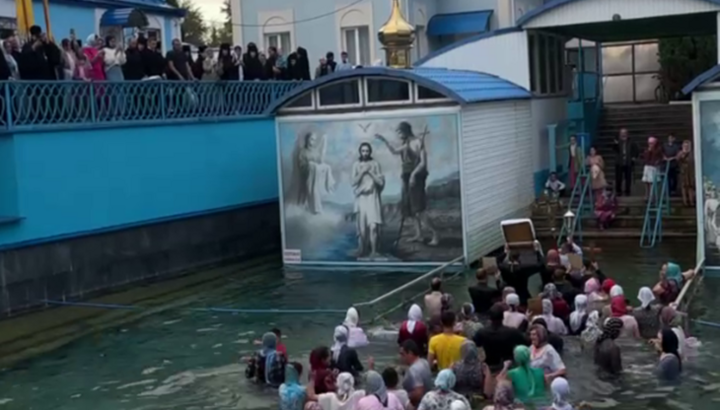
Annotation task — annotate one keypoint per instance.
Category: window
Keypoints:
(279, 40)
(303, 101)
(356, 41)
(424, 93)
(343, 93)
(421, 42)
(381, 91)
(547, 63)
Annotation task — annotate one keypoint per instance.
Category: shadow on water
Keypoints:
(187, 359)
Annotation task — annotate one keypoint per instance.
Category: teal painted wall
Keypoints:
(69, 183)
(64, 17)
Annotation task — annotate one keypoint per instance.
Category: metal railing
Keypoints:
(581, 190)
(658, 204)
(684, 297)
(47, 104)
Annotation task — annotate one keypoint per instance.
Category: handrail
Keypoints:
(582, 188)
(657, 203)
(32, 105)
(689, 283)
(408, 284)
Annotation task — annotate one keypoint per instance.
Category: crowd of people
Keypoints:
(101, 59)
(677, 157)
(455, 360)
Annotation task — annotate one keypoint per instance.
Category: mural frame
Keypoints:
(698, 98)
(354, 115)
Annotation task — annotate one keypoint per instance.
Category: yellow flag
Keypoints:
(25, 17)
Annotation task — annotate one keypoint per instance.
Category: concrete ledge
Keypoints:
(90, 266)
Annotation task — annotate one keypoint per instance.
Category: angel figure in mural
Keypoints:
(311, 177)
(413, 162)
(368, 182)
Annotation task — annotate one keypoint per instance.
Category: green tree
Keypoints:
(684, 58)
(214, 37)
(194, 29)
(225, 32)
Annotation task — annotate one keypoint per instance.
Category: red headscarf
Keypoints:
(618, 305)
(607, 285)
(322, 377)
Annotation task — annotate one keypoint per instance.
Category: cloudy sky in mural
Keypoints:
(344, 138)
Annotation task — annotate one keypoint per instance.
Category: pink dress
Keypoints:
(97, 72)
(371, 402)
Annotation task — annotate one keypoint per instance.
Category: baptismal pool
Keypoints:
(184, 359)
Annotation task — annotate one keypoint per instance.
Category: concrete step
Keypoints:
(626, 206)
(617, 233)
(671, 222)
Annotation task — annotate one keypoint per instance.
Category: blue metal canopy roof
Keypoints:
(553, 4)
(704, 78)
(151, 6)
(459, 23)
(124, 18)
(464, 87)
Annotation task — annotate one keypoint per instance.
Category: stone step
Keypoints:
(633, 208)
(670, 222)
(594, 233)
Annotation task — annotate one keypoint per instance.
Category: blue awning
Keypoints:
(124, 18)
(459, 23)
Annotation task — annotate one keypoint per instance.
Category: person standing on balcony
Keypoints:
(626, 152)
(197, 66)
(178, 63)
(344, 62)
(113, 59)
(8, 65)
(227, 68)
(69, 57)
(153, 61)
(252, 67)
(293, 71)
(272, 71)
(670, 150)
(40, 57)
(576, 161)
(95, 55)
(133, 69)
(304, 63)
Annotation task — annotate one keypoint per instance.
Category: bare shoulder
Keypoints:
(415, 144)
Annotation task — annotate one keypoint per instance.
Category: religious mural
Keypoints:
(710, 148)
(364, 189)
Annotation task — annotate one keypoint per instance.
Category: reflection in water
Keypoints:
(190, 360)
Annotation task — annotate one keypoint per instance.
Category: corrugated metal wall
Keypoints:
(497, 171)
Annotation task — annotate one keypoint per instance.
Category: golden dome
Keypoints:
(396, 32)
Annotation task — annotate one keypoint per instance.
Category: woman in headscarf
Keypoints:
(344, 357)
(134, 68)
(647, 314)
(507, 290)
(652, 157)
(554, 323)
(292, 393)
(414, 329)
(559, 306)
(345, 397)
(543, 355)
(592, 329)
(356, 336)
(320, 375)
(527, 381)
(606, 205)
(95, 56)
(376, 395)
(560, 392)
(618, 308)
(669, 319)
(267, 366)
(443, 395)
(468, 323)
(512, 317)
(672, 279)
(469, 370)
(579, 316)
(113, 60)
(669, 366)
(596, 300)
(607, 353)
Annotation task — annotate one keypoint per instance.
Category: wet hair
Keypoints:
(298, 367)
(369, 147)
(390, 377)
(436, 284)
(482, 274)
(559, 273)
(539, 322)
(409, 346)
(497, 313)
(277, 332)
(448, 318)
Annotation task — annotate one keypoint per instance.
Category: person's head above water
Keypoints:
(497, 314)
(436, 284)
(391, 378)
(448, 321)
(409, 352)
(482, 275)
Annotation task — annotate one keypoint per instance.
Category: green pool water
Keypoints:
(182, 359)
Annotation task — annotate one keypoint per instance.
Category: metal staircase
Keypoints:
(657, 205)
(581, 200)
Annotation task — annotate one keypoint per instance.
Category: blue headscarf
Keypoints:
(269, 352)
(674, 273)
(374, 384)
(445, 380)
(292, 393)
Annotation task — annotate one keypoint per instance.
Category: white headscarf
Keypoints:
(645, 296)
(616, 291)
(340, 339)
(592, 328)
(458, 405)
(352, 318)
(513, 318)
(415, 315)
(560, 390)
(512, 300)
(345, 385)
(577, 316)
(90, 41)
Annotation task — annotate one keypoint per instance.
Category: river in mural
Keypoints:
(710, 148)
(371, 188)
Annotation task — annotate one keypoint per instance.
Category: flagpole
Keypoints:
(48, 28)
